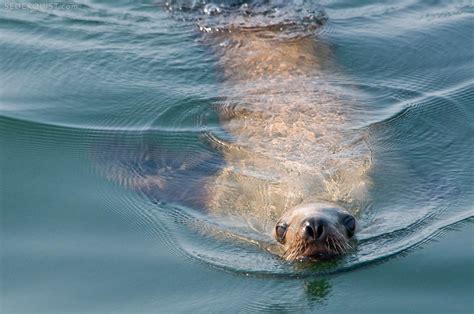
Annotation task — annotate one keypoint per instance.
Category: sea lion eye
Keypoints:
(280, 231)
(350, 224)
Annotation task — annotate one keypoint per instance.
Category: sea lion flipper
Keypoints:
(223, 146)
(161, 173)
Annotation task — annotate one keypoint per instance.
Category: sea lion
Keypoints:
(293, 166)
(290, 152)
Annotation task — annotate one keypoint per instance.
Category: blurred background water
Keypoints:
(88, 83)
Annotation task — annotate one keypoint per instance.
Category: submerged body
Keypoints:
(291, 141)
(292, 167)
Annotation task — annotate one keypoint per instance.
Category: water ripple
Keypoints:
(129, 89)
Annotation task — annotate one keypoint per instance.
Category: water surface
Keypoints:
(94, 85)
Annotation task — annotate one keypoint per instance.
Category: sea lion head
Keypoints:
(315, 231)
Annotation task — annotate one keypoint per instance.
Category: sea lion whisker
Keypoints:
(327, 244)
(333, 246)
(340, 239)
(338, 245)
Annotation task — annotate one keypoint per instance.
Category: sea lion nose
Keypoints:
(314, 229)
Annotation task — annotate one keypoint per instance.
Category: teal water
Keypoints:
(87, 85)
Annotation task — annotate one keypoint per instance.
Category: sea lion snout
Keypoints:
(315, 230)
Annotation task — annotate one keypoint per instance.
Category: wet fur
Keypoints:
(288, 144)
(289, 137)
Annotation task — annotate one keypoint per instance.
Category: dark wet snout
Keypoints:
(315, 229)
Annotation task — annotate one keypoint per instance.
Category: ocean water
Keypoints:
(89, 85)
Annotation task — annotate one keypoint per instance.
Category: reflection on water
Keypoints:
(123, 97)
(317, 289)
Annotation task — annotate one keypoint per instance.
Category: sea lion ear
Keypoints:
(280, 231)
